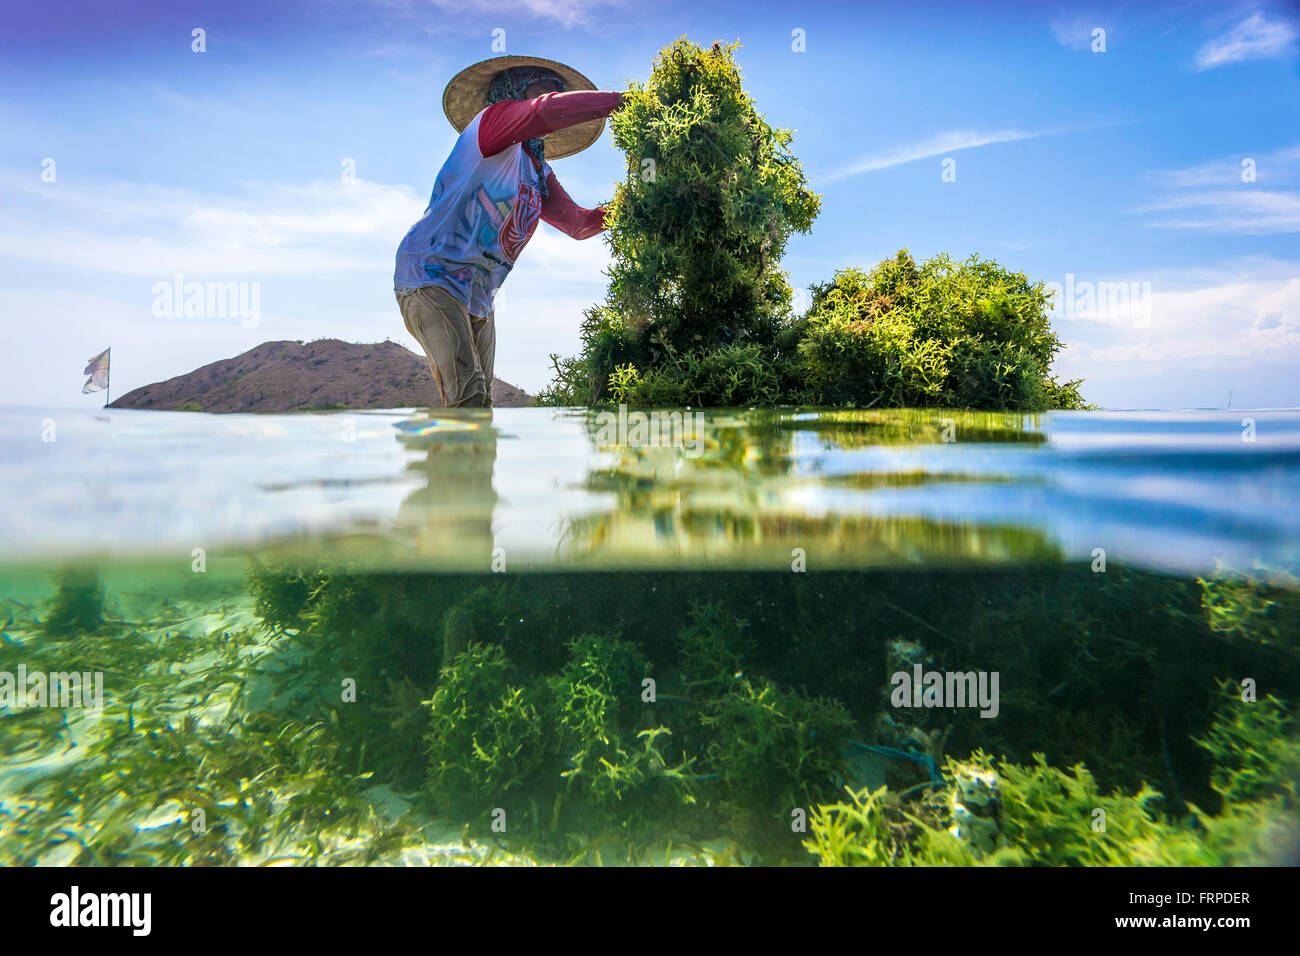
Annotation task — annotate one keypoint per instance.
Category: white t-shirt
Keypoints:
(482, 213)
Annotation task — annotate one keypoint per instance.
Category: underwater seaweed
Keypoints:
(171, 773)
(569, 741)
(1255, 749)
(1259, 606)
(1046, 816)
(473, 695)
(78, 603)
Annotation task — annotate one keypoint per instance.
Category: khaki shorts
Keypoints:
(460, 346)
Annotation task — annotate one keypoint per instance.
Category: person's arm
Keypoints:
(567, 216)
(513, 121)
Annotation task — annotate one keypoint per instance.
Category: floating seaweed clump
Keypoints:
(697, 231)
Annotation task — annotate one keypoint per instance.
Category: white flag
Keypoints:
(97, 369)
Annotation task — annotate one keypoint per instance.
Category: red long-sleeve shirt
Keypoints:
(510, 122)
(486, 201)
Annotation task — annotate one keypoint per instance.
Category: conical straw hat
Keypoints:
(467, 94)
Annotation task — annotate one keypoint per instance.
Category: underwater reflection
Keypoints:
(690, 489)
(737, 489)
(450, 517)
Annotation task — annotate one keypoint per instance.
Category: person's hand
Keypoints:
(622, 100)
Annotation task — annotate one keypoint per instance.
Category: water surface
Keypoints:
(538, 635)
(1163, 490)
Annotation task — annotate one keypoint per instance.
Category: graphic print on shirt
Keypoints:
(492, 218)
(503, 224)
(438, 273)
(523, 220)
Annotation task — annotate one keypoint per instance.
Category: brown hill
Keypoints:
(289, 376)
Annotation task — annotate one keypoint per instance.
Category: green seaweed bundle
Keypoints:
(697, 230)
(967, 335)
(698, 311)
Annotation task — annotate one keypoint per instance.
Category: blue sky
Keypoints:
(295, 151)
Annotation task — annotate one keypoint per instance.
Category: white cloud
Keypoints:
(79, 262)
(566, 13)
(552, 253)
(1247, 311)
(1214, 197)
(1075, 31)
(1255, 38)
(939, 145)
(266, 229)
(1247, 211)
(943, 144)
(60, 328)
(1278, 166)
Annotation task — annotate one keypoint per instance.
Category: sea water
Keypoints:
(697, 636)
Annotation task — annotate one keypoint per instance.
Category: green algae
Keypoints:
(699, 313)
(969, 334)
(1048, 816)
(586, 743)
(1255, 750)
(78, 603)
(1245, 604)
(472, 695)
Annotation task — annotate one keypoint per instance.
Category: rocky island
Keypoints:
(288, 376)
